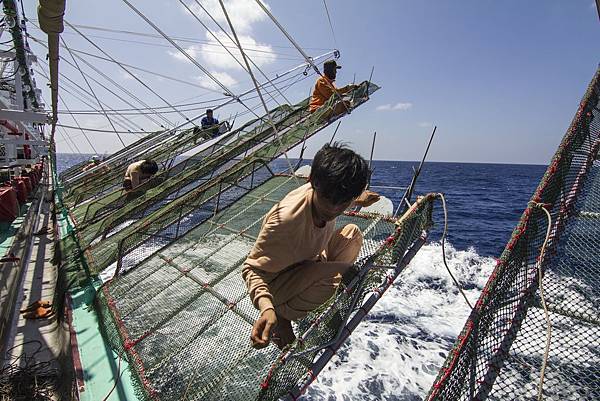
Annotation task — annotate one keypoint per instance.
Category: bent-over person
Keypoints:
(137, 173)
(299, 256)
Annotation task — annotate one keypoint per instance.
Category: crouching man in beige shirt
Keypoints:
(299, 257)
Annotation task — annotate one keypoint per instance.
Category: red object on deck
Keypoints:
(33, 177)
(27, 182)
(11, 128)
(9, 206)
(21, 188)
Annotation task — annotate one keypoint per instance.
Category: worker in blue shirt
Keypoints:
(209, 121)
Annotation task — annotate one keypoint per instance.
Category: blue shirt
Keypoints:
(207, 122)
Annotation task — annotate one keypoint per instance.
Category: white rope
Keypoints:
(444, 251)
(181, 50)
(543, 302)
(177, 38)
(192, 60)
(308, 59)
(170, 78)
(82, 93)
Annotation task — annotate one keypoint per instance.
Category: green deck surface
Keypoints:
(99, 363)
(8, 231)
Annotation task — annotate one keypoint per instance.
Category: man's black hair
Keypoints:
(149, 167)
(208, 111)
(338, 173)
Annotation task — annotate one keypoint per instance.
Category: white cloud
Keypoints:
(193, 51)
(125, 75)
(243, 13)
(223, 77)
(213, 54)
(398, 106)
(425, 124)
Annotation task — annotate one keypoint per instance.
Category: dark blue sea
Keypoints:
(397, 351)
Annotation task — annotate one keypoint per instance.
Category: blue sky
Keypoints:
(501, 80)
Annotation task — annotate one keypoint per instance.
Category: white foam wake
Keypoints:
(395, 354)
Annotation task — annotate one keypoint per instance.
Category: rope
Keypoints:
(181, 81)
(127, 123)
(276, 132)
(77, 123)
(93, 93)
(178, 38)
(308, 59)
(117, 85)
(330, 24)
(25, 378)
(540, 395)
(444, 251)
(102, 130)
(229, 37)
(123, 68)
(116, 381)
(196, 63)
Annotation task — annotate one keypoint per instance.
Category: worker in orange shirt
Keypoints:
(325, 88)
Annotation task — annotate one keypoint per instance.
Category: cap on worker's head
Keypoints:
(95, 158)
(208, 111)
(331, 65)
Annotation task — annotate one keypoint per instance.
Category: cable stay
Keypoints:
(93, 93)
(123, 68)
(166, 134)
(117, 85)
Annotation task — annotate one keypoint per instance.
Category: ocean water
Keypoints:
(396, 352)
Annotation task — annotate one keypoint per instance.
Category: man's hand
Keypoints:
(261, 331)
(367, 198)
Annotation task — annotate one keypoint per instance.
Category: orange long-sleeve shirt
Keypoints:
(324, 89)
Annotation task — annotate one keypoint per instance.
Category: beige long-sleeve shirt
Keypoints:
(134, 173)
(288, 236)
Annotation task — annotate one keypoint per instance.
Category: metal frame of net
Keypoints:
(175, 180)
(182, 316)
(75, 170)
(500, 351)
(110, 173)
(154, 223)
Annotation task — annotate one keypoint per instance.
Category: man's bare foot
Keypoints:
(282, 333)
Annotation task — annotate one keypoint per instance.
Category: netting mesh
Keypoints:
(114, 208)
(152, 224)
(182, 317)
(110, 174)
(75, 169)
(500, 351)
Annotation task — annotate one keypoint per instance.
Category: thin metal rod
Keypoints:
(256, 85)
(371, 158)
(413, 183)
(335, 132)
